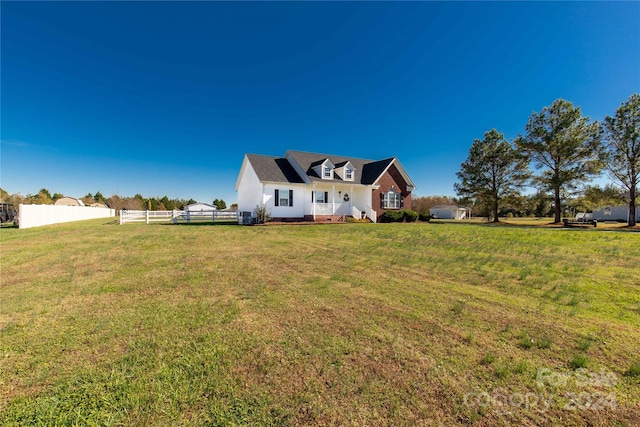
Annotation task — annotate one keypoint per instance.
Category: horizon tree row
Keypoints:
(565, 149)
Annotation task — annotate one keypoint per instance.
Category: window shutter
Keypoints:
(381, 200)
(312, 193)
(326, 197)
(290, 197)
(402, 201)
(277, 201)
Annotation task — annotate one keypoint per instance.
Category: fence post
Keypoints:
(147, 215)
(121, 216)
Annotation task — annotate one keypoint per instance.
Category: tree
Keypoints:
(424, 203)
(167, 203)
(42, 198)
(622, 139)
(568, 149)
(98, 197)
(493, 171)
(594, 197)
(220, 204)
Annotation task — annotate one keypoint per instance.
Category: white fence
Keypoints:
(38, 215)
(176, 216)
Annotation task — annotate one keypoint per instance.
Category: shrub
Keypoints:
(402, 215)
(408, 215)
(423, 216)
(391, 216)
(262, 214)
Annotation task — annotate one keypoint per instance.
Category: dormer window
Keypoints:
(345, 170)
(324, 169)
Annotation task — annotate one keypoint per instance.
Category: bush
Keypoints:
(262, 214)
(423, 216)
(408, 215)
(391, 216)
(402, 215)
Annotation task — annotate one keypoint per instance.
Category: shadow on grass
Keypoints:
(201, 224)
(550, 225)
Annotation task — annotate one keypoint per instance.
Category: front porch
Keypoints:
(336, 203)
(338, 212)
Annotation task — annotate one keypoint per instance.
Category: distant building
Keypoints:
(614, 213)
(68, 201)
(200, 207)
(450, 212)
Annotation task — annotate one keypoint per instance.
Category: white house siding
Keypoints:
(295, 211)
(249, 189)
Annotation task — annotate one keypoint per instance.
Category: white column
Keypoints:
(333, 199)
(313, 201)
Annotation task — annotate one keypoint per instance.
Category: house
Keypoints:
(614, 213)
(68, 201)
(450, 212)
(200, 207)
(320, 187)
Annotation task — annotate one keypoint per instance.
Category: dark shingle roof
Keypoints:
(274, 169)
(366, 171)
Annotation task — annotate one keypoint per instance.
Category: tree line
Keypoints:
(137, 202)
(566, 150)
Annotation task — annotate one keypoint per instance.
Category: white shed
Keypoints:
(199, 207)
(450, 212)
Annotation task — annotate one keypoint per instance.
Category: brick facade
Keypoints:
(391, 178)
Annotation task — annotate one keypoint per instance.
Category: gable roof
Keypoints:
(274, 169)
(297, 167)
(366, 171)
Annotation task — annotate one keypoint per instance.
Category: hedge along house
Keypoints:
(322, 187)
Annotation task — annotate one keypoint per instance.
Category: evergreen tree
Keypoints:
(565, 146)
(622, 138)
(493, 171)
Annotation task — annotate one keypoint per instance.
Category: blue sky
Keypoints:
(164, 98)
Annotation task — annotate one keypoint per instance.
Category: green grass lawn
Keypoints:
(353, 324)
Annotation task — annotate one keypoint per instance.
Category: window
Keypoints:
(327, 172)
(391, 200)
(348, 174)
(283, 198)
(321, 197)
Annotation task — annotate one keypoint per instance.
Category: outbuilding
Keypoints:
(450, 212)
